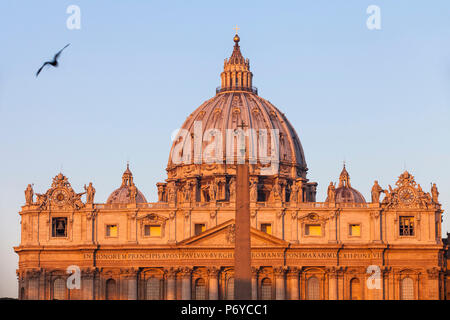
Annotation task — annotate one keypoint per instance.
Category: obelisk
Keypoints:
(242, 253)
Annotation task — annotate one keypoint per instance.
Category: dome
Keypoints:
(126, 190)
(236, 107)
(345, 193)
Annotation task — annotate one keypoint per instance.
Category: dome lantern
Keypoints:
(236, 75)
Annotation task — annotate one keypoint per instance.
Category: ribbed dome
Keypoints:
(123, 194)
(345, 193)
(236, 106)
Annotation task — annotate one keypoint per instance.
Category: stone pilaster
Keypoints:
(87, 283)
(433, 283)
(280, 289)
(292, 277)
(186, 274)
(129, 276)
(213, 283)
(332, 282)
(172, 226)
(255, 283)
(171, 284)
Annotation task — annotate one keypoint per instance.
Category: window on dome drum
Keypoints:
(355, 230)
(313, 230)
(406, 226)
(152, 230)
(59, 227)
(199, 228)
(266, 227)
(59, 289)
(111, 230)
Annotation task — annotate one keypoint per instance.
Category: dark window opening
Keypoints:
(406, 226)
(59, 227)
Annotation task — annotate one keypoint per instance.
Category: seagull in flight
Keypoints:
(54, 62)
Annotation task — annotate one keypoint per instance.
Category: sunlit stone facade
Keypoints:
(181, 247)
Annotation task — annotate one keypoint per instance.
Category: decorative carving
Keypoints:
(406, 194)
(433, 273)
(186, 272)
(172, 272)
(172, 192)
(294, 193)
(434, 193)
(253, 190)
(60, 194)
(232, 189)
(276, 191)
(376, 191)
(187, 192)
(29, 193)
(132, 192)
(213, 271)
(331, 192)
(230, 236)
(91, 214)
(90, 193)
(280, 271)
(162, 197)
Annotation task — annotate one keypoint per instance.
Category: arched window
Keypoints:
(111, 289)
(355, 289)
(22, 294)
(407, 289)
(153, 289)
(266, 289)
(59, 289)
(230, 289)
(313, 289)
(200, 289)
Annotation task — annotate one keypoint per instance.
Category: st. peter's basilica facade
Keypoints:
(181, 247)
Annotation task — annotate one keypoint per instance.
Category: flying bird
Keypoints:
(54, 62)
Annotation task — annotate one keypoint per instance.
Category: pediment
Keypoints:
(223, 236)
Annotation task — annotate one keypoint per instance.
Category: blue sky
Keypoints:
(136, 69)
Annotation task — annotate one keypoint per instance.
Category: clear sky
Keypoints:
(378, 99)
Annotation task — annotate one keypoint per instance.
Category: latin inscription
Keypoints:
(230, 255)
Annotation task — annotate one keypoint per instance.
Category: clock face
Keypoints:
(407, 195)
(60, 197)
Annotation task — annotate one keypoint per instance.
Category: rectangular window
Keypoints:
(199, 228)
(59, 227)
(406, 226)
(266, 227)
(111, 230)
(355, 230)
(152, 230)
(313, 230)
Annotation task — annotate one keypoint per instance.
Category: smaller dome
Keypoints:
(345, 193)
(126, 190)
